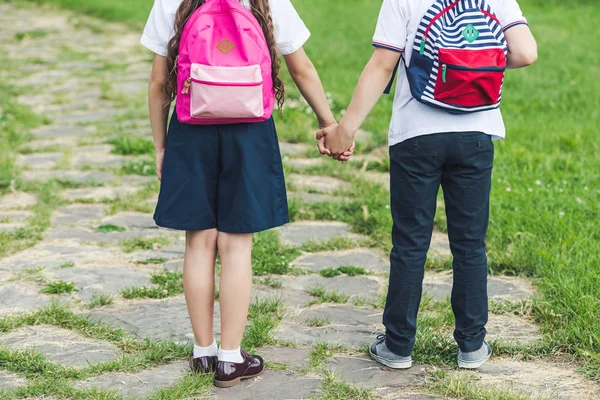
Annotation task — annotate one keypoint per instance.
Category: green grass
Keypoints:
(140, 244)
(321, 295)
(132, 146)
(59, 287)
(110, 228)
(317, 322)
(452, 385)
(270, 256)
(101, 300)
(263, 317)
(144, 167)
(165, 284)
(348, 270)
(334, 389)
(66, 265)
(153, 261)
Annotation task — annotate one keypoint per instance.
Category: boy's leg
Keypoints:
(415, 180)
(235, 251)
(199, 282)
(466, 181)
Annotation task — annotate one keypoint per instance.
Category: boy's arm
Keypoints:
(159, 110)
(522, 47)
(373, 81)
(307, 79)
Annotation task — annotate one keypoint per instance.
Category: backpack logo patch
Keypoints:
(225, 46)
(470, 33)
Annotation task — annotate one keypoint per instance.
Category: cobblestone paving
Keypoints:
(82, 86)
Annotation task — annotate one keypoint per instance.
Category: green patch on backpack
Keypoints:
(470, 33)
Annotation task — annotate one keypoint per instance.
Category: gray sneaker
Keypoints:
(380, 353)
(474, 359)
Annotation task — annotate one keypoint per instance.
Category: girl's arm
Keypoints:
(307, 79)
(372, 83)
(159, 110)
(522, 47)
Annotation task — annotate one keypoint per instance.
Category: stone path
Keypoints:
(102, 247)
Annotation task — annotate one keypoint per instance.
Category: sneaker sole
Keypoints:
(390, 364)
(473, 364)
(228, 384)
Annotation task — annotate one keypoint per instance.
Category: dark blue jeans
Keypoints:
(462, 164)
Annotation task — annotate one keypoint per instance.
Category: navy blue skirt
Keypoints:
(228, 177)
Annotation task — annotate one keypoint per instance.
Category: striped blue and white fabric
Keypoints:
(459, 57)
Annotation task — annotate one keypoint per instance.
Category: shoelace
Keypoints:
(381, 336)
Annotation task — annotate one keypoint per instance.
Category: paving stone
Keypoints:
(293, 149)
(80, 177)
(137, 180)
(101, 279)
(52, 131)
(355, 287)
(321, 184)
(314, 197)
(298, 233)
(91, 236)
(78, 214)
(8, 380)
(366, 373)
(440, 246)
(350, 326)
(512, 329)
(21, 296)
(370, 260)
(294, 357)
(378, 177)
(556, 380)
(17, 200)
(131, 220)
(11, 227)
(61, 345)
(303, 163)
(140, 384)
(500, 288)
(39, 160)
(98, 194)
(15, 216)
(86, 117)
(414, 396)
(98, 156)
(169, 253)
(155, 319)
(291, 298)
(278, 385)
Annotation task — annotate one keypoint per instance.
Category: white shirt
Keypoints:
(396, 30)
(290, 31)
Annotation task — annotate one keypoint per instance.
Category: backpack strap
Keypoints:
(388, 89)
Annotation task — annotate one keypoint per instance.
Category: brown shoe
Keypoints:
(230, 374)
(203, 365)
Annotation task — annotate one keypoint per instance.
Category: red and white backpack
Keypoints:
(459, 57)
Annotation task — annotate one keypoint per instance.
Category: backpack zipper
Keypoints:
(446, 67)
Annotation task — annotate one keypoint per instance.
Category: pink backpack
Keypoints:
(224, 67)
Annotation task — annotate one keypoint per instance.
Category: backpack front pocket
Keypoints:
(225, 92)
(470, 78)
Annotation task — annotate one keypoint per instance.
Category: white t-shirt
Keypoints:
(396, 30)
(290, 31)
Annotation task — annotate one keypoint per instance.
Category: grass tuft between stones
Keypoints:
(107, 228)
(59, 287)
(323, 296)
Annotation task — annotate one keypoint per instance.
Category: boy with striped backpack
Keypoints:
(444, 118)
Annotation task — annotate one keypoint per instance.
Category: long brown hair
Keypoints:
(261, 11)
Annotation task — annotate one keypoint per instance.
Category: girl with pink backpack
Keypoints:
(220, 166)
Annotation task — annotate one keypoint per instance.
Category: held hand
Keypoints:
(160, 156)
(337, 140)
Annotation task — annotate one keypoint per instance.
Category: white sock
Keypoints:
(210, 351)
(233, 356)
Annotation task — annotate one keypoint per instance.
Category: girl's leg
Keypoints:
(235, 251)
(199, 282)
